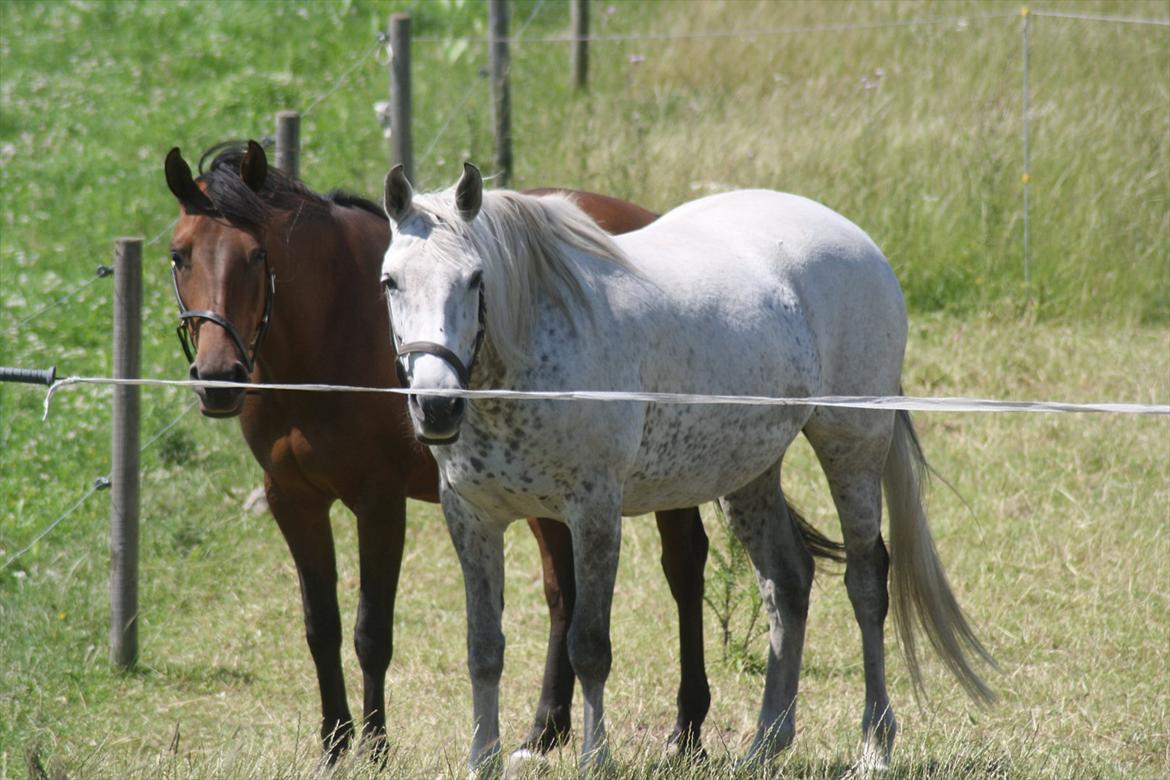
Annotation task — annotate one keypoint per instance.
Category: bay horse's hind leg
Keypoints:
(851, 445)
(381, 524)
(758, 514)
(684, 554)
(553, 711)
(303, 518)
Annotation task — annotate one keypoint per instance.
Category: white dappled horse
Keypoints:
(751, 292)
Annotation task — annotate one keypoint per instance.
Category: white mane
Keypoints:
(525, 244)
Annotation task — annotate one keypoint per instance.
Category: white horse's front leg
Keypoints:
(596, 524)
(479, 543)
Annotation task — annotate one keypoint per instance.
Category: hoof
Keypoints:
(488, 765)
(374, 749)
(873, 762)
(335, 740)
(524, 762)
(595, 763)
(685, 746)
(554, 733)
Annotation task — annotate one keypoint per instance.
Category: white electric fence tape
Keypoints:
(899, 402)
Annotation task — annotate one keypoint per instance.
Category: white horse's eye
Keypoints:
(388, 283)
(476, 280)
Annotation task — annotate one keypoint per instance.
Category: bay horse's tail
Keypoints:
(918, 587)
(817, 543)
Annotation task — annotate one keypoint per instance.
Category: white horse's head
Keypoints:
(434, 288)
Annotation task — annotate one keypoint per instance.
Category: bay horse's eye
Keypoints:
(260, 256)
(176, 259)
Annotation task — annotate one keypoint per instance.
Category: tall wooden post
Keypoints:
(288, 143)
(1026, 177)
(401, 150)
(124, 468)
(501, 91)
(579, 21)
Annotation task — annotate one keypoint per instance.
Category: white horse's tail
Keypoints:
(918, 586)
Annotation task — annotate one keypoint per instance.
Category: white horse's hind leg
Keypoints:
(851, 446)
(595, 522)
(759, 516)
(479, 543)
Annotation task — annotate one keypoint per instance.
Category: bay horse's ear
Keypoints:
(182, 183)
(254, 166)
(469, 192)
(399, 194)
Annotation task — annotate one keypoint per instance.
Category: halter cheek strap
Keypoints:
(247, 356)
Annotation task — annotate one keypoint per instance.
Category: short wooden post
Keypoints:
(501, 91)
(401, 150)
(124, 467)
(579, 21)
(288, 143)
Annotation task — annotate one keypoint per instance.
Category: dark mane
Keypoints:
(236, 202)
(351, 201)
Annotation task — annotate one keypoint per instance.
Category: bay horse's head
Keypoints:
(219, 265)
(435, 293)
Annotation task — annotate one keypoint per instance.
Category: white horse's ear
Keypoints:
(469, 192)
(398, 195)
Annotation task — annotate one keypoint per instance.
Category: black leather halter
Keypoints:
(189, 339)
(439, 351)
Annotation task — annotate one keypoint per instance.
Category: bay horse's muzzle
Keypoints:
(220, 401)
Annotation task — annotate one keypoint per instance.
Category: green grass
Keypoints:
(1062, 559)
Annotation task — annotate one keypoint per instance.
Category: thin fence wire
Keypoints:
(737, 34)
(1101, 18)
(535, 10)
(102, 272)
(163, 431)
(454, 112)
(481, 75)
(99, 484)
(345, 75)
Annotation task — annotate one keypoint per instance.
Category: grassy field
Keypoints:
(913, 132)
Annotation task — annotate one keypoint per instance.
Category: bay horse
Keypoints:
(277, 283)
(751, 292)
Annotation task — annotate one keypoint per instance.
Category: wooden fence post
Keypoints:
(501, 91)
(579, 20)
(124, 467)
(288, 143)
(401, 150)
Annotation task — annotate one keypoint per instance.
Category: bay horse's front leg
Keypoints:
(595, 522)
(554, 709)
(303, 518)
(381, 524)
(479, 543)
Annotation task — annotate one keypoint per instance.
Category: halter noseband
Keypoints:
(439, 351)
(187, 337)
